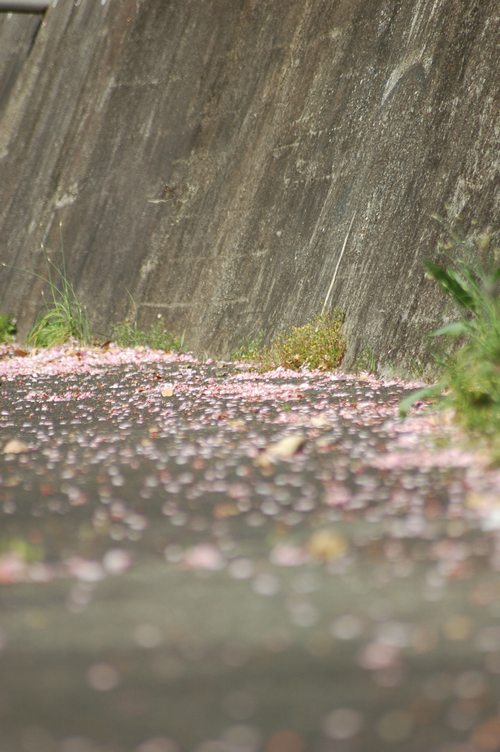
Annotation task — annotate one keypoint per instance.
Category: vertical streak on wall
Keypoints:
(17, 36)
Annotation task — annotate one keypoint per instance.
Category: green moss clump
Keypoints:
(319, 344)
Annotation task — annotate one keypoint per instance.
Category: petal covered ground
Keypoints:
(195, 556)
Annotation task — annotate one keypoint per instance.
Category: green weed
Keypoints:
(28, 552)
(128, 334)
(7, 329)
(410, 369)
(65, 317)
(250, 350)
(470, 372)
(366, 361)
(319, 344)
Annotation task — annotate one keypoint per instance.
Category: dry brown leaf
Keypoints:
(286, 447)
(14, 446)
(167, 390)
(237, 425)
(486, 736)
(12, 481)
(327, 545)
(320, 421)
(262, 460)
(477, 500)
(221, 511)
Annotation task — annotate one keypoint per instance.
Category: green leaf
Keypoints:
(451, 285)
(456, 329)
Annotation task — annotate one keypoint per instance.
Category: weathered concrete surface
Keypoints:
(17, 36)
(209, 158)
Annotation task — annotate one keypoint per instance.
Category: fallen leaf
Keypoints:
(263, 461)
(320, 421)
(14, 446)
(221, 511)
(482, 501)
(286, 447)
(237, 425)
(167, 390)
(12, 481)
(486, 736)
(327, 545)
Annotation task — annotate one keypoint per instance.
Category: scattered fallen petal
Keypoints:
(203, 556)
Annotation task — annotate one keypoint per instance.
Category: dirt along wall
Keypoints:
(210, 157)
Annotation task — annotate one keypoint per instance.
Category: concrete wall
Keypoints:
(17, 36)
(209, 156)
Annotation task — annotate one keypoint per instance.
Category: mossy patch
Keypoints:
(319, 344)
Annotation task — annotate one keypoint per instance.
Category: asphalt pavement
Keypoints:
(195, 557)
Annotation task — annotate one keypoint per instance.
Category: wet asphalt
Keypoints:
(194, 558)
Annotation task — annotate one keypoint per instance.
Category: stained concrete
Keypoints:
(209, 157)
(17, 37)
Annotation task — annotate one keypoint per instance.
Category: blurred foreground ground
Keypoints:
(194, 557)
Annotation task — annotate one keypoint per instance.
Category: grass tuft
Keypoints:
(366, 362)
(7, 329)
(320, 344)
(65, 317)
(251, 349)
(128, 334)
(470, 373)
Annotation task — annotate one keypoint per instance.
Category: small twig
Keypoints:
(338, 265)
